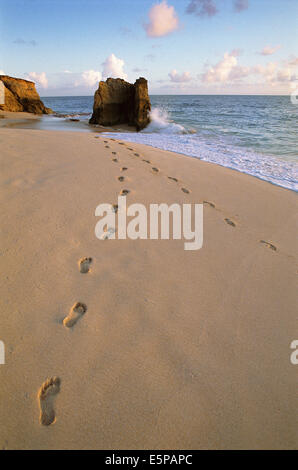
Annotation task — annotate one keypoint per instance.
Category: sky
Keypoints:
(181, 46)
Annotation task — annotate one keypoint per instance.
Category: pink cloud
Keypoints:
(221, 71)
(179, 78)
(163, 20)
(293, 62)
(39, 78)
(269, 50)
(227, 70)
(113, 67)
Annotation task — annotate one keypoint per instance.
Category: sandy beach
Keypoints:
(173, 349)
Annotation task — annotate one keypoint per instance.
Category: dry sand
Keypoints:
(151, 346)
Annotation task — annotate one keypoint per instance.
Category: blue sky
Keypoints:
(181, 46)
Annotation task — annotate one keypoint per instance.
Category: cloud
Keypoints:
(39, 78)
(202, 7)
(113, 67)
(91, 77)
(236, 52)
(221, 71)
(285, 75)
(268, 71)
(240, 5)
(269, 50)
(209, 7)
(293, 62)
(163, 20)
(274, 74)
(182, 78)
(228, 71)
(21, 41)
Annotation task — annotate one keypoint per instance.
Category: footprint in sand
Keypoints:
(115, 160)
(129, 148)
(115, 208)
(269, 245)
(230, 222)
(46, 395)
(124, 192)
(121, 143)
(186, 191)
(121, 178)
(108, 233)
(105, 141)
(124, 168)
(209, 204)
(84, 264)
(146, 161)
(107, 146)
(156, 170)
(173, 179)
(114, 153)
(136, 154)
(75, 314)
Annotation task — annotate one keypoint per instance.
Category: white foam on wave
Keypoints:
(279, 171)
(161, 123)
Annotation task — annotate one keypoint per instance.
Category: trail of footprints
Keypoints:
(156, 170)
(51, 387)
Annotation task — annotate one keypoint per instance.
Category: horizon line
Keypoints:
(176, 94)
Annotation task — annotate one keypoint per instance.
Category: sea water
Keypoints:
(257, 135)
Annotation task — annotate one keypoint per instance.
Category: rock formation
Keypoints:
(21, 95)
(119, 102)
(142, 104)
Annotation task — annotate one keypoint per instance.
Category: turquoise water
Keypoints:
(257, 135)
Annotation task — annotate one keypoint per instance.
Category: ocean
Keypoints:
(257, 135)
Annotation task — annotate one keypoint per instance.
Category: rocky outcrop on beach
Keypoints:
(21, 96)
(119, 102)
(142, 104)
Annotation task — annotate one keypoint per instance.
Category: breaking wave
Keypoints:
(162, 124)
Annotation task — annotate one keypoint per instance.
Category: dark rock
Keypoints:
(142, 104)
(119, 102)
(21, 96)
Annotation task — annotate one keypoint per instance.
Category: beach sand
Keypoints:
(152, 347)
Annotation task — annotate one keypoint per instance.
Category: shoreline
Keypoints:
(174, 349)
(22, 120)
(204, 161)
(25, 120)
